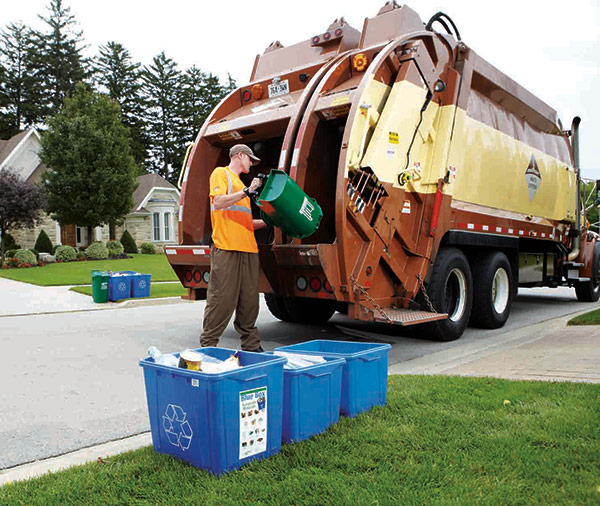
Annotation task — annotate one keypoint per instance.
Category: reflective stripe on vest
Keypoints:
(234, 207)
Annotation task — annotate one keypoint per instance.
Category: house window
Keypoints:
(167, 219)
(156, 227)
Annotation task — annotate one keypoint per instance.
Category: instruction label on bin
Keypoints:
(253, 422)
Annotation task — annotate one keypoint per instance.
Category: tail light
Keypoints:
(197, 276)
(327, 287)
(301, 283)
(246, 95)
(315, 284)
(206, 276)
(188, 275)
(326, 36)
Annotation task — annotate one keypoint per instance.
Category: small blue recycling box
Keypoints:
(364, 375)
(311, 399)
(140, 285)
(119, 285)
(217, 422)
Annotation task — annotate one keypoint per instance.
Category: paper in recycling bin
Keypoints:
(297, 361)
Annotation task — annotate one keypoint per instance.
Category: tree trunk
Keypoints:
(112, 231)
(90, 237)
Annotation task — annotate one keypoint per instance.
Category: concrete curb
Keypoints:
(123, 305)
(76, 458)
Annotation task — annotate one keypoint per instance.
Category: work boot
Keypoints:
(257, 350)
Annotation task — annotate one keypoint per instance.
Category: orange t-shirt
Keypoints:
(232, 227)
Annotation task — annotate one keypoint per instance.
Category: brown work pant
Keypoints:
(233, 286)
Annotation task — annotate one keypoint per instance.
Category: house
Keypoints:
(153, 217)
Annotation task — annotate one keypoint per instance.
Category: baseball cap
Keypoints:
(242, 148)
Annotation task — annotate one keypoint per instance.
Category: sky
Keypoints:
(550, 47)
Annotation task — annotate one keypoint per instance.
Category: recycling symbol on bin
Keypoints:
(178, 430)
(122, 286)
(142, 283)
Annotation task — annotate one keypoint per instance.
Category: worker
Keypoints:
(233, 284)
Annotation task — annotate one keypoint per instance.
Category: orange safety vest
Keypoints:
(232, 227)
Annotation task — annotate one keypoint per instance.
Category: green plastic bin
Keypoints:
(100, 286)
(283, 204)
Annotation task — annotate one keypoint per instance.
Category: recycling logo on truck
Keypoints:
(533, 177)
(178, 429)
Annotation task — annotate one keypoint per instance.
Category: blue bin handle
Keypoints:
(317, 375)
(260, 376)
(367, 359)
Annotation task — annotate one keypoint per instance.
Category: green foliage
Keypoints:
(58, 56)
(114, 248)
(591, 318)
(129, 245)
(25, 256)
(96, 251)
(147, 248)
(9, 242)
(65, 253)
(36, 253)
(92, 174)
(588, 195)
(43, 243)
(10, 253)
(81, 255)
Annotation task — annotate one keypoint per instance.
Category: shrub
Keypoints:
(96, 251)
(25, 256)
(114, 248)
(81, 255)
(10, 253)
(36, 253)
(9, 242)
(147, 248)
(128, 243)
(121, 256)
(24, 265)
(65, 254)
(43, 243)
(12, 262)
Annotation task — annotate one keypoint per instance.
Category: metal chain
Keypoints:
(427, 300)
(363, 290)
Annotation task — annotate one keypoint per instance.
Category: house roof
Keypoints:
(146, 184)
(7, 147)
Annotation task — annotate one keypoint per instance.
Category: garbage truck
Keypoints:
(444, 184)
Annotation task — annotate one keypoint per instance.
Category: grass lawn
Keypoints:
(157, 290)
(440, 440)
(79, 273)
(591, 318)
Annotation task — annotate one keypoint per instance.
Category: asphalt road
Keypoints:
(72, 380)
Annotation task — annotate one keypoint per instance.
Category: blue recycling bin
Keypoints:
(140, 285)
(364, 374)
(311, 399)
(217, 422)
(119, 285)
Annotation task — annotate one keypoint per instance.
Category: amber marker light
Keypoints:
(257, 91)
(359, 62)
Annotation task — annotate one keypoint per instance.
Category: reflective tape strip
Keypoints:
(241, 209)
(229, 186)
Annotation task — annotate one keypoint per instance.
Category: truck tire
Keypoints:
(304, 310)
(492, 290)
(450, 290)
(276, 306)
(589, 291)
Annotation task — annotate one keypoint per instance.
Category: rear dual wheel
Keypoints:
(300, 309)
(589, 291)
(492, 290)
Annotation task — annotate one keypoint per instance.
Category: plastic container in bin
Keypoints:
(216, 422)
(119, 285)
(140, 285)
(364, 375)
(311, 399)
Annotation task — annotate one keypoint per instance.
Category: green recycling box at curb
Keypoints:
(99, 286)
(283, 204)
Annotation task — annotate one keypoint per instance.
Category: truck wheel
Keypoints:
(450, 290)
(589, 291)
(276, 306)
(492, 290)
(304, 310)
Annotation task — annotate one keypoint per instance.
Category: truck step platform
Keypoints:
(409, 317)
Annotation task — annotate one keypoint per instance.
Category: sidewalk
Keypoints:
(548, 351)
(22, 299)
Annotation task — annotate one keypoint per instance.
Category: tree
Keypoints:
(162, 86)
(20, 88)
(59, 58)
(119, 76)
(91, 174)
(20, 204)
